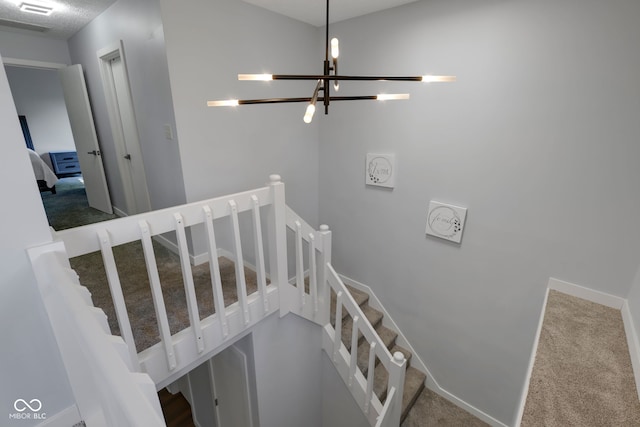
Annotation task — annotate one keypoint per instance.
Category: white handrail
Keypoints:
(105, 390)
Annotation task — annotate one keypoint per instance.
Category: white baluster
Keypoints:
(370, 377)
(118, 298)
(354, 349)
(259, 251)
(313, 274)
(241, 282)
(337, 338)
(299, 264)
(156, 292)
(214, 268)
(187, 279)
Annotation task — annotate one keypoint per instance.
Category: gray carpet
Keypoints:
(582, 374)
(433, 410)
(69, 207)
(137, 292)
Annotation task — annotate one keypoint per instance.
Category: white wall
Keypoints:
(35, 48)
(538, 138)
(38, 96)
(30, 364)
(229, 150)
(138, 24)
(288, 371)
(338, 405)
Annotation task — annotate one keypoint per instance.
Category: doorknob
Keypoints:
(128, 156)
(94, 152)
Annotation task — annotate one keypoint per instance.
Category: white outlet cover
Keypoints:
(446, 221)
(380, 170)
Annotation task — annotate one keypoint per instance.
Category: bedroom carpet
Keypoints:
(582, 374)
(69, 207)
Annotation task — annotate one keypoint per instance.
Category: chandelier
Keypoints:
(324, 82)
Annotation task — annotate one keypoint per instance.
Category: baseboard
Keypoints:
(532, 360)
(65, 418)
(119, 212)
(431, 383)
(598, 297)
(633, 343)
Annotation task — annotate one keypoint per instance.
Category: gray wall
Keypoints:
(538, 138)
(288, 371)
(30, 364)
(38, 96)
(338, 405)
(138, 24)
(34, 48)
(229, 150)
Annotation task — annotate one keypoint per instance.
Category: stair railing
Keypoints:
(106, 388)
(314, 304)
(176, 354)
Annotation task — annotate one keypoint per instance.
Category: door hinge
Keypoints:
(215, 401)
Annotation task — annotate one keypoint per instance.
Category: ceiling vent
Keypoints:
(23, 26)
(36, 8)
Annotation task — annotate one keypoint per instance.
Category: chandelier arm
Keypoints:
(337, 77)
(286, 100)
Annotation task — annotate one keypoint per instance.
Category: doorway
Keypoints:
(55, 99)
(113, 70)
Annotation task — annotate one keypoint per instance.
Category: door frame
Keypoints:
(136, 203)
(52, 66)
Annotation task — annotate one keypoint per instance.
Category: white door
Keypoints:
(124, 129)
(84, 135)
(232, 388)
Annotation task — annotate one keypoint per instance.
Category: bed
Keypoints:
(44, 175)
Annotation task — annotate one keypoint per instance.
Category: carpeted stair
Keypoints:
(414, 379)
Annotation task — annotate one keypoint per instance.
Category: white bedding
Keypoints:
(41, 169)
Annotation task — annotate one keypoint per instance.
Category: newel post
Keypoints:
(398, 368)
(277, 246)
(324, 290)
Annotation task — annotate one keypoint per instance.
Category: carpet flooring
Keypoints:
(137, 292)
(582, 374)
(69, 208)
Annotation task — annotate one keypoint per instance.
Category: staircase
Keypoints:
(363, 351)
(414, 379)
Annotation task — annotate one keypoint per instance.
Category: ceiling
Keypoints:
(70, 16)
(314, 11)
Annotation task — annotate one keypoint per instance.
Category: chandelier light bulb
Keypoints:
(335, 49)
(438, 79)
(391, 96)
(256, 77)
(224, 103)
(308, 115)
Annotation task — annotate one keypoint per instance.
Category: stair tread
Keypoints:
(413, 386)
(360, 297)
(374, 316)
(388, 337)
